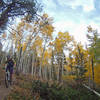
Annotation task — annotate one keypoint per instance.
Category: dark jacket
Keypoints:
(10, 63)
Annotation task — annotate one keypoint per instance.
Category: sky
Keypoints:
(73, 16)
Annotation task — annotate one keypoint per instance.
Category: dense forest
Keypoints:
(53, 68)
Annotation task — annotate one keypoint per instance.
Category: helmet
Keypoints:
(8, 57)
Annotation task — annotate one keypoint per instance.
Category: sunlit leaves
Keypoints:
(24, 46)
(62, 40)
(46, 26)
(37, 43)
(47, 56)
(45, 15)
(97, 74)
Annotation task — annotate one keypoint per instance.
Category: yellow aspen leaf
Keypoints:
(24, 46)
(45, 15)
(4, 35)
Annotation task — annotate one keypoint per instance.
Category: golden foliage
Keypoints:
(62, 40)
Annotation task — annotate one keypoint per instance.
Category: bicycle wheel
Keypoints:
(7, 79)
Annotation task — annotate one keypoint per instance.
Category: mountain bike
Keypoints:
(7, 79)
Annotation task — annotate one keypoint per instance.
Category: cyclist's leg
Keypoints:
(7, 76)
(11, 73)
(6, 69)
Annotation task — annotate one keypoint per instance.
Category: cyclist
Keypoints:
(9, 67)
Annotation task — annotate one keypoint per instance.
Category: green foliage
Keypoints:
(49, 91)
(41, 90)
(72, 93)
(80, 93)
(94, 46)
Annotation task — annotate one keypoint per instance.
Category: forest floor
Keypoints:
(3, 90)
(25, 88)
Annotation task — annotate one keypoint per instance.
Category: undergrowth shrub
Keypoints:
(48, 91)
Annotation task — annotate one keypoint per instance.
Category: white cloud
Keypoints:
(88, 5)
(77, 30)
(72, 21)
(62, 25)
(79, 33)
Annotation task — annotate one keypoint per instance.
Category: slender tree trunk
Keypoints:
(40, 69)
(50, 73)
(60, 71)
(18, 62)
(53, 68)
(92, 62)
(32, 72)
(89, 74)
(46, 73)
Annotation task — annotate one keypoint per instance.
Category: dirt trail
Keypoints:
(3, 90)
